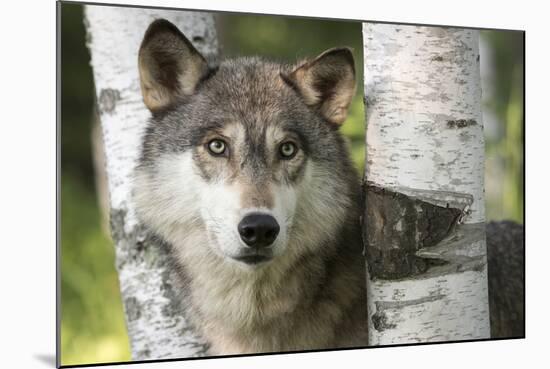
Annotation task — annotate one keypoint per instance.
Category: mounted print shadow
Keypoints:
(246, 184)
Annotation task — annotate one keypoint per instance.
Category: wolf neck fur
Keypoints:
(240, 296)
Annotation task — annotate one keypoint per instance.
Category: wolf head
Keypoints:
(243, 163)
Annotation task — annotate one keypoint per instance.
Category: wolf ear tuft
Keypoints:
(327, 82)
(169, 65)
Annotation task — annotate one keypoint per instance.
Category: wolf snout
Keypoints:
(258, 230)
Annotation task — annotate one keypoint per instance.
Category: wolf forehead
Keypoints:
(250, 92)
(252, 88)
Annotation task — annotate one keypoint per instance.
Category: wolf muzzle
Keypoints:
(258, 231)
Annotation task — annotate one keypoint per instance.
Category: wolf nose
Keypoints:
(258, 230)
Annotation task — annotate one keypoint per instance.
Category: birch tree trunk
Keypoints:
(424, 217)
(156, 327)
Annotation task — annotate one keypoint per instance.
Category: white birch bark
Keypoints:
(155, 327)
(425, 216)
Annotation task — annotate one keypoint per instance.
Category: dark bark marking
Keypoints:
(132, 308)
(384, 305)
(400, 223)
(108, 99)
(144, 353)
(170, 286)
(461, 123)
(138, 245)
(380, 319)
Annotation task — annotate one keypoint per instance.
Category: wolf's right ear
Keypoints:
(169, 65)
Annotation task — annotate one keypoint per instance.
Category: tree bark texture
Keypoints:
(156, 327)
(424, 221)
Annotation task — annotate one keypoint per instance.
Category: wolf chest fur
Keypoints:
(245, 176)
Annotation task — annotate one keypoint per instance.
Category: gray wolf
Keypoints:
(245, 175)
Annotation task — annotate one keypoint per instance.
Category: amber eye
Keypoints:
(217, 147)
(287, 150)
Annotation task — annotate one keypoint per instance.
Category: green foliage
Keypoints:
(504, 151)
(77, 100)
(354, 130)
(92, 320)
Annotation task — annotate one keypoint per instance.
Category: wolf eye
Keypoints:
(217, 147)
(287, 150)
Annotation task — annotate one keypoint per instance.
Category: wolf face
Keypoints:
(244, 173)
(239, 161)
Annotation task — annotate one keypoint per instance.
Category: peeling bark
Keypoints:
(157, 328)
(424, 221)
(398, 224)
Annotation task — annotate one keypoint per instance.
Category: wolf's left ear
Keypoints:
(327, 82)
(169, 65)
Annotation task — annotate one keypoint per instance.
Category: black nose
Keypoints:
(258, 230)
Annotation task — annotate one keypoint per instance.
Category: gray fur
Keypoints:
(311, 297)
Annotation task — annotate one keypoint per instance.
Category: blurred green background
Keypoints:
(92, 325)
